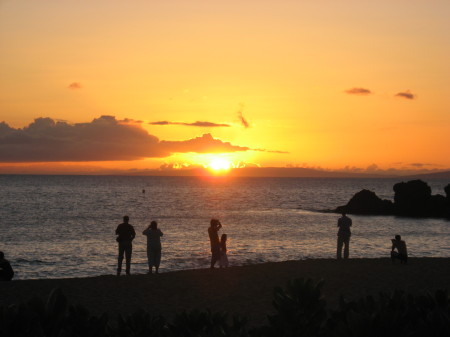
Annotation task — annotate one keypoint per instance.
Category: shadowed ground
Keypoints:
(245, 290)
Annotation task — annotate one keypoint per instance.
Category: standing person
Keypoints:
(153, 246)
(213, 232)
(6, 271)
(223, 251)
(125, 235)
(402, 252)
(344, 233)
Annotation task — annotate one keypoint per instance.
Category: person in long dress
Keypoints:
(153, 246)
(223, 262)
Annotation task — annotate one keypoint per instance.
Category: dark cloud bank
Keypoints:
(74, 86)
(406, 95)
(358, 91)
(103, 139)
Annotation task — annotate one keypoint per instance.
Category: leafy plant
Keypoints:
(300, 309)
(207, 324)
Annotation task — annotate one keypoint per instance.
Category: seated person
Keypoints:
(6, 272)
(402, 252)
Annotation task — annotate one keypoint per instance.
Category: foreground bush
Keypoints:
(300, 310)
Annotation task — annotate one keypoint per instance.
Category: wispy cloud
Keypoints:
(420, 165)
(74, 86)
(270, 151)
(197, 123)
(358, 91)
(406, 95)
(103, 139)
(243, 121)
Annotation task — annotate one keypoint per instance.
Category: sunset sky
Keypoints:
(338, 85)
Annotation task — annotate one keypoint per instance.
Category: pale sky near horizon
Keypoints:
(321, 83)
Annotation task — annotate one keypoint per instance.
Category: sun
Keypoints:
(219, 164)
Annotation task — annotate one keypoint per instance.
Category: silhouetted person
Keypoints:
(213, 232)
(6, 271)
(125, 235)
(153, 246)
(344, 233)
(223, 262)
(401, 253)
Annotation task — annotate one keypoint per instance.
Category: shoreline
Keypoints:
(245, 290)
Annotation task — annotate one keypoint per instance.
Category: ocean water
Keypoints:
(63, 226)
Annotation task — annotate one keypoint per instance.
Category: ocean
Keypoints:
(63, 226)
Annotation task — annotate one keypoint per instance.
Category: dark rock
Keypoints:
(447, 191)
(437, 206)
(412, 198)
(367, 202)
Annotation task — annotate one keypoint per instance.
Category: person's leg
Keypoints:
(120, 259)
(215, 256)
(149, 260)
(402, 258)
(213, 260)
(393, 256)
(128, 251)
(157, 260)
(346, 248)
(339, 248)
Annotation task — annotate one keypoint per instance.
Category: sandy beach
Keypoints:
(245, 290)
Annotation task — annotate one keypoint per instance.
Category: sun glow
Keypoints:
(219, 164)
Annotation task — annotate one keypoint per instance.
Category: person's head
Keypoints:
(2, 255)
(223, 237)
(343, 213)
(398, 237)
(154, 225)
(126, 218)
(215, 222)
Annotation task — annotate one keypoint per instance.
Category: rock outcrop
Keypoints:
(367, 202)
(412, 198)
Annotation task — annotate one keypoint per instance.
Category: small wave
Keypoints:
(34, 262)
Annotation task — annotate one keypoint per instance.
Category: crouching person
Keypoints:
(399, 250)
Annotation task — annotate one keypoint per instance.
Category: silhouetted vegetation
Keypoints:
(412, 198)
(300, 310)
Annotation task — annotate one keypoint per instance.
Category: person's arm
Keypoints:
(160, 233)
(133, 233)
(393, 246)
(145, 232)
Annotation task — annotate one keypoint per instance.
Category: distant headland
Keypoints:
(411, 199)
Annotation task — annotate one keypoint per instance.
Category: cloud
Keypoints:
(270, 151)
(406, 95)
(419, 165)
(243, 121)
(197, 123)
(75, 86)
(103, 139)
(358, 91)
(203, 144)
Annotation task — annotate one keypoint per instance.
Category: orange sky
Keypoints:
(327, 84)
